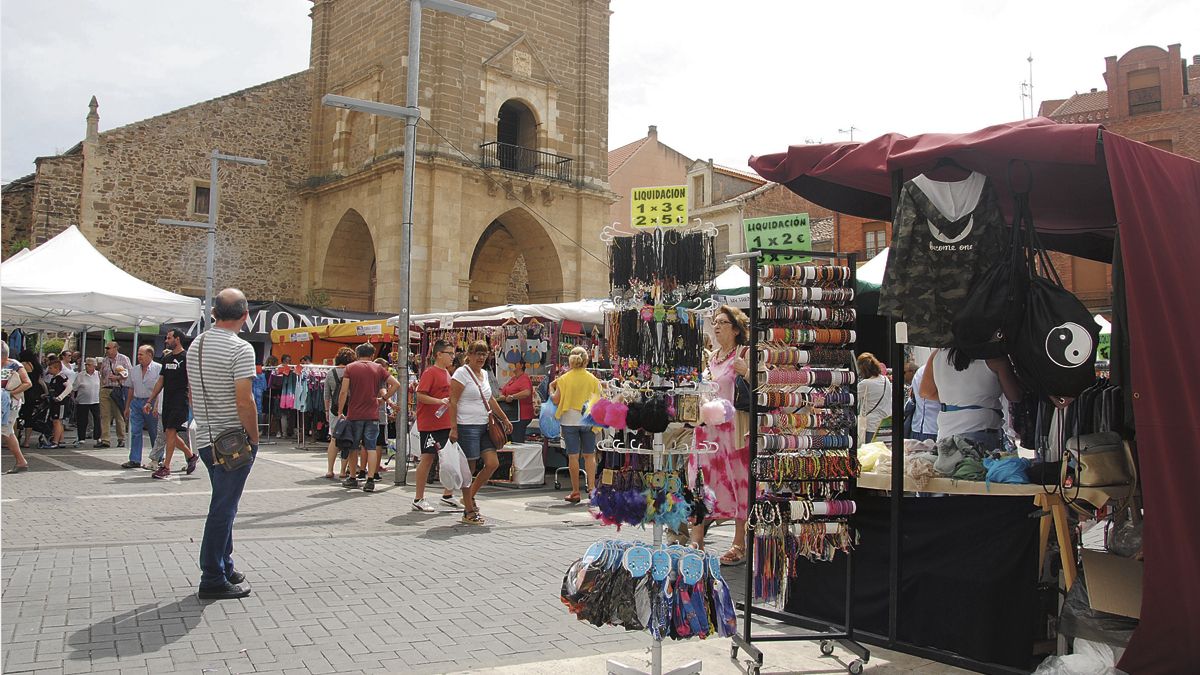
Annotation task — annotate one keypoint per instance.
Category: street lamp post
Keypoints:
(214, 200)
(410, 113)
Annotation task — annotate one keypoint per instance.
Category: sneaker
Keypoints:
(120, 442)
(350, 483)
(150, 465)
(130, 465)
(102, 444)
(473, 518)
(369, 486)
(422, 506)
(162, 473)
(450, 501)
(360, 475)
(191, 463)
(376, 476)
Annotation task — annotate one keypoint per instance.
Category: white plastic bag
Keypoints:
(414, 444)
(453, 471)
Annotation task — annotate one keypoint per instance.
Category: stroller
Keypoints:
(38, 419)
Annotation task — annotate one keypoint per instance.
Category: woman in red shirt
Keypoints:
(433, 400)
(518, 390)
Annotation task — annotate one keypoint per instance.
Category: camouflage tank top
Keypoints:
(935, 258)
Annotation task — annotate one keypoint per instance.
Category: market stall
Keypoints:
(1088, 190)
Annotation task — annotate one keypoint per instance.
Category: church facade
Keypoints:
(511, 168)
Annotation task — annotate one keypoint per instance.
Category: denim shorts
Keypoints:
(474, 440)
(578, 440)
(365, 432)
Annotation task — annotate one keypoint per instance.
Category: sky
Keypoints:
(721, 80)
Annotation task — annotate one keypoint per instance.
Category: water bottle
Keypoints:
(441, 410)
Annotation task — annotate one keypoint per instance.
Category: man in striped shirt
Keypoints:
(220, 370)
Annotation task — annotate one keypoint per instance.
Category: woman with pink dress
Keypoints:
(727, 471)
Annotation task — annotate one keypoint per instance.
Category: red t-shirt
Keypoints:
(434, 382)
(517, 385)
(365, 379)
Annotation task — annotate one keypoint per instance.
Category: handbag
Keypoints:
(1054, 347)
(741, 389)
(495, 430)
(1103, 458)
(231, 448)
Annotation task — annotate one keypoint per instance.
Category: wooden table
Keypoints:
(1051, 502)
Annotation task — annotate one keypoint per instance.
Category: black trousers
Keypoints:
(84, 412)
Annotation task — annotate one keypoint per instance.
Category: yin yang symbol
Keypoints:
(1069, 345)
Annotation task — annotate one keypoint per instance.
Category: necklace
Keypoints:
(722, 359)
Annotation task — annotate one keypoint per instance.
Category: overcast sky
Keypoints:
(722, 80)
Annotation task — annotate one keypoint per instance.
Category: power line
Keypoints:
(511, 194)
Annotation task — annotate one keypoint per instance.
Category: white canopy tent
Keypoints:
(871, 271)
(66, 284)
(733, 279)
(583, 311)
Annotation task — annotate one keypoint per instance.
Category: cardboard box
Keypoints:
(1114, 584)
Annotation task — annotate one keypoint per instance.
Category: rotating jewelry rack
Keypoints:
(817, 297)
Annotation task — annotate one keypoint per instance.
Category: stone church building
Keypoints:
(511, 168)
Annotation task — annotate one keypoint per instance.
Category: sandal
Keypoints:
(736, 555)
(329, 476)
(472, 517)
(572, 498)
(18, 469)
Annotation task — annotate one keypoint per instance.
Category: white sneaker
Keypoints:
(451, 502)
(423, 506)
(150, 465)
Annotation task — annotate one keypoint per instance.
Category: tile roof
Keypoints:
(1092, 101)
(618, 157)
(738, 173)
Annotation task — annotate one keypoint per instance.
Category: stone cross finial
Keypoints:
(93, 120)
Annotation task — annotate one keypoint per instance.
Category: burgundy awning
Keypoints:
(1086, 184)
(1067, 177)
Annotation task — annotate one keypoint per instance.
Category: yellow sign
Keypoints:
(659, 206)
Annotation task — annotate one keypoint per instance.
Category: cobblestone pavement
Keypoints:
(99, 572)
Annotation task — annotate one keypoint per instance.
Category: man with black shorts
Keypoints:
(365, 386)
(433, 395)
(173, 383)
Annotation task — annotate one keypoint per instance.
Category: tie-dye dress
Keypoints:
(727, 471)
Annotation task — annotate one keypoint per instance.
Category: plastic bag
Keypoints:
(548, 422)
(453, 471)
(1079, 620)
(1090, 658)
(414, 444)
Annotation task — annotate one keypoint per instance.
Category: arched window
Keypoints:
(516, 136)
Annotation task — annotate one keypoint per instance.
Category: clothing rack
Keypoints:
(656, 665)
(826, 633)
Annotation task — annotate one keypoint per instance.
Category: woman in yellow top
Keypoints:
(571, 392)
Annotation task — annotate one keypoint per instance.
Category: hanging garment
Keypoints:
(943, 235)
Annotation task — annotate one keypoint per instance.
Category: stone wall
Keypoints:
(553, 55)
(16, 207)
(56, 194)
(145, 171)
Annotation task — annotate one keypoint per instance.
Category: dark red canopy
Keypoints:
(1066, 175)
(1087, 183)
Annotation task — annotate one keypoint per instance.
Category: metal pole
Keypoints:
(214, 200)
(406, 226)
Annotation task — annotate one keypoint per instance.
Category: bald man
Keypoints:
(220, 371)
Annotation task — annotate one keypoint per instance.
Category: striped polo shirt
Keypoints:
(226, 358)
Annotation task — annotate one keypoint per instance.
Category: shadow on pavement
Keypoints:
(154, 626)
(447, 532)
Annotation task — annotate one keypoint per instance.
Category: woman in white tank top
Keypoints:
(969, 392)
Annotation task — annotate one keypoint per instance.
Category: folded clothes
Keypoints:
(1007, 470)
(969, 469)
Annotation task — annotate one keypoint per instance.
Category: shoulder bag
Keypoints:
(495, 430)
(231, 448)
(741, 386)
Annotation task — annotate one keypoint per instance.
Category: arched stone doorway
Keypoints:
(514, 261)
(348, 276)
(516, 132)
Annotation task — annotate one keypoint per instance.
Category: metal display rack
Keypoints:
(827, 634)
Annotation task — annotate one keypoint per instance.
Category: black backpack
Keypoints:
(992, 311)
(1054, 343)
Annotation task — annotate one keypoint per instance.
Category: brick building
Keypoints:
(1153, 96)
(511, 169)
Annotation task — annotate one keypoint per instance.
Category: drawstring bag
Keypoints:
(1054, 348)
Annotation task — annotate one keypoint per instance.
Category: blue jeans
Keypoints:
(138, 421)
(365, 432)
(216, 549)
(578, 440)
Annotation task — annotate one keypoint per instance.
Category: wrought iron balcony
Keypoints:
(527, 161)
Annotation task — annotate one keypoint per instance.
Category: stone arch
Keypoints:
(348, 275)
(514, 235)
(517, 133)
